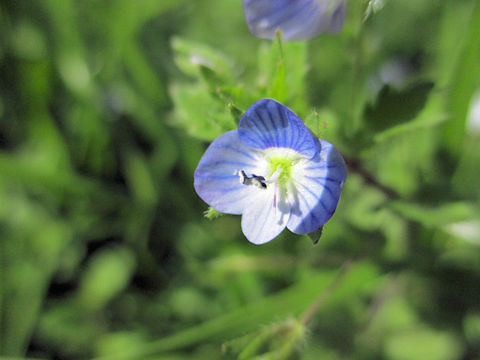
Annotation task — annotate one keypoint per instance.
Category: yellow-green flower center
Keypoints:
(283, 166)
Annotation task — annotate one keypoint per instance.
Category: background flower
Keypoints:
(299, 178)
(297, 19)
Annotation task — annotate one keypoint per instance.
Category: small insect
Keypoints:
(256, 180)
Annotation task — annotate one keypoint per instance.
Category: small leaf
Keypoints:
(394, 107)
(282, 69)
(191, 57)
(211, 213)
(316, 235)
(210, 77)
(236, 112)
(200, 114)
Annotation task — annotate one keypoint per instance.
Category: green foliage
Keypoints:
(423, 343)
(316, 235)
(104, 253)
(464, 82)
(211, 213)
(200, 112)
(214, 102)
(393, 107)
(281, 341)
(107, 274)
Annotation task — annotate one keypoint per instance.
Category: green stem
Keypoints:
(320, 300)
(357, 79)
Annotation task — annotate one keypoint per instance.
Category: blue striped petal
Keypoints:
(337, 18)
(216, 178)
(316, 190)
(297, 19)
(268, 123)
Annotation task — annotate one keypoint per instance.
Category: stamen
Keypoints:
(258, 181)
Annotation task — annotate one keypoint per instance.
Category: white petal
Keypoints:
(261, 220)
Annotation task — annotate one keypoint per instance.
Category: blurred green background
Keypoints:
(106, 107)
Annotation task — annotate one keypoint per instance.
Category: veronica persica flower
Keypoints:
(273, 172)
(297, 19)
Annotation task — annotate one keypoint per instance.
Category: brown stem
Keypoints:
(355, 166)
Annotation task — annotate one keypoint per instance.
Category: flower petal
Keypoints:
(261, 220)
(297, 19)
(316, 191)
(338, 18)
(268, 123)
(216, 178)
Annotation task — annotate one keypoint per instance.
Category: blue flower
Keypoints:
(273, 172)
(297, 19)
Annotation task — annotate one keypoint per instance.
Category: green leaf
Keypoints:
(315, 235)
(280, 339)
(463, 84)
(140, 178)
(201, 115)
(211, 213)
(324, 124)
(210, 77)
(471, 326)
(107, 274)
(248, 345)
(394, 107)
(423, 343)
(236, 112)
(411, 126)
(292, 301)
(282, 69)
(435, 216)
(192, 58)
(431, 116)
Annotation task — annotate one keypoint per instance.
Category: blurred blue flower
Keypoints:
(297, 19)
(274, 172)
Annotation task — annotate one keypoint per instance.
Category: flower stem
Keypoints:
(357, 90)
(354, 165)
(320, 300)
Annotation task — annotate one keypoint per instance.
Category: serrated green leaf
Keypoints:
(201, 115)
